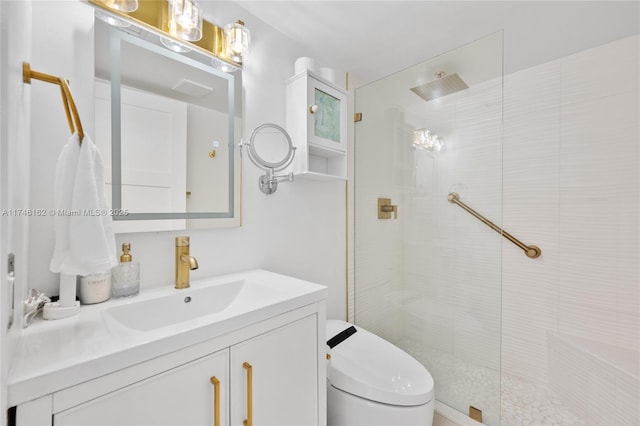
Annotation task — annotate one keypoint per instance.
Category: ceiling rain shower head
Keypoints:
(443, 85)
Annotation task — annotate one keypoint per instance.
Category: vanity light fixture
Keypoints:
(179, 26)
(236, 37)
(425, 139)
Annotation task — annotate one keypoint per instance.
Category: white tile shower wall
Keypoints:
(299, 230)
(571, 186)
(531, 173)
(594, 387)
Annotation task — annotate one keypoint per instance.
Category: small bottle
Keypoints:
(125, 278)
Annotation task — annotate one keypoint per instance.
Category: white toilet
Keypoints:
(372, 382)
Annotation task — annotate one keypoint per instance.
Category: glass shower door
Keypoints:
(429, 280)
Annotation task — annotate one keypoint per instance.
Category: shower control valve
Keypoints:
(385, 208)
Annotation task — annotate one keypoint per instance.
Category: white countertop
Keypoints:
(53, 355)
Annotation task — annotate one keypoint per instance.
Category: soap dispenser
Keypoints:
(125, 277)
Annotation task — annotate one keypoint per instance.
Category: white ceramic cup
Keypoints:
(328, 74)
(305, 63)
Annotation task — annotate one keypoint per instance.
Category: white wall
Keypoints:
(299, 231)
(571, 319)
(62, 45)
(15, 47)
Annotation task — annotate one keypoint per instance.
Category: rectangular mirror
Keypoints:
(166, 123)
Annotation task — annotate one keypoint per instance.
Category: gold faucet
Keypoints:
(184, 262)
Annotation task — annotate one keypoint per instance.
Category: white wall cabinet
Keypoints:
(272, 374)
(316, 119)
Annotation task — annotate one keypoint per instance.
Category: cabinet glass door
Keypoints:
(327, 123)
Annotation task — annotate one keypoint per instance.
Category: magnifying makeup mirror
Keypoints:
(270, 149)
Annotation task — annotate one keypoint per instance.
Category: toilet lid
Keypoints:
(370, 367)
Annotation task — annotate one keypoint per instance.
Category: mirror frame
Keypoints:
(117, 37)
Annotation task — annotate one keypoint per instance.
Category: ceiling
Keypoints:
(372, 39)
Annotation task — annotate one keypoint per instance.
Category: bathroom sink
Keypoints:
(201, 300)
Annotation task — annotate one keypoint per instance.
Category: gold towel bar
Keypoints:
(531, 251)
(67, 99)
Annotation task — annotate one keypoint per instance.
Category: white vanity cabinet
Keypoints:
(270, 373)
(185, 395)
(284, 383)
(316, 119)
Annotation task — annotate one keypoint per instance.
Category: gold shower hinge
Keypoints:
(357, 117)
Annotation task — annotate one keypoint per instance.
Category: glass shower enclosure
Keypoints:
(428, 273)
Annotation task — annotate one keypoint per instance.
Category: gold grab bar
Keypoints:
(73, 118)
(531, 251)
(216, 400)
(249, 420)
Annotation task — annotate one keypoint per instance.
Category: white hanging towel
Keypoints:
(85, 243)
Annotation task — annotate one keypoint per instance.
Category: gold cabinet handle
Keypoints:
(216, 400)
(249, 420)
(313, 109)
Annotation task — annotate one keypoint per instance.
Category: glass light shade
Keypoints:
(174, 45)
(223, 66)
(236, 37)
(122, 5)
(185, 20)
(112, 20)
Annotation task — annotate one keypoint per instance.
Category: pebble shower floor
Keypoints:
(522, 402)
